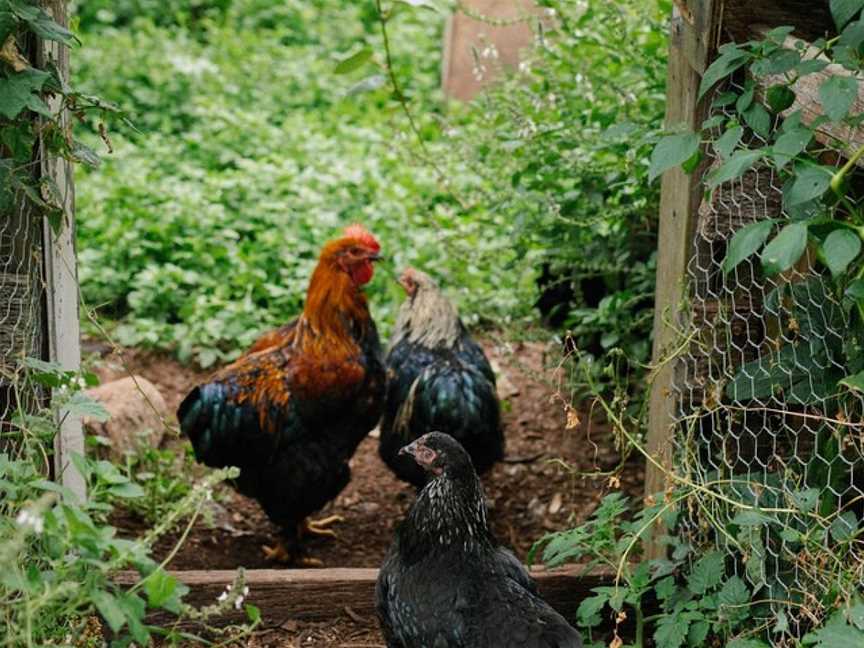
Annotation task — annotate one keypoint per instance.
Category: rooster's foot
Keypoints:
(277, 553)
(319, 527)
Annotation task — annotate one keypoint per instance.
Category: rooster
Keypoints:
(438, 379)
(291, 412)
(445, 583)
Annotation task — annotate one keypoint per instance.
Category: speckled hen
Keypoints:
(445, 583)
(438, 379)
(292, 411)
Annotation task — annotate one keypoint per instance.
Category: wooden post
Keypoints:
(508, 30)
(693, 37)
(61, 275)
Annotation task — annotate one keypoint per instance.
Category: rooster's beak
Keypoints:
(374, 256)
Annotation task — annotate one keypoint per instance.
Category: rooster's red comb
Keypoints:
(357, 231)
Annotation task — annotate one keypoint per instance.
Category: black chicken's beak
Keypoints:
(409, 449)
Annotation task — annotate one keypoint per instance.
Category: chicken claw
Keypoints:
(319, 527)
(277, 553)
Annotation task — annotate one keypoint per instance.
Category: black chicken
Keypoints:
(444, 584)
(438, 379)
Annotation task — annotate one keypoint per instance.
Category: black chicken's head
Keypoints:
(438, 454)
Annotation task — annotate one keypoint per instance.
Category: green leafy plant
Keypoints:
(692, 597)
(164, 476)
(59, 557)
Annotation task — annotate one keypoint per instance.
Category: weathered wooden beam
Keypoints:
(325, 594)
(807, 98)
(810, 18)
(60, 272)
(680, 196)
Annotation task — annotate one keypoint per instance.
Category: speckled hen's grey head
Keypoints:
(437, 453)
(426, 317)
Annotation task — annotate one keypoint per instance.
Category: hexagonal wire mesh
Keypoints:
(21, 306)
(760, 420)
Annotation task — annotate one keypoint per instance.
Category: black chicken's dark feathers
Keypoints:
(444, 582)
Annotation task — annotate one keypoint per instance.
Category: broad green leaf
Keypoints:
(733, 599)
(747, 643)
(746, 241)
(840, 248)
(845, 10)
(837, 94)
(811, 66)
(589, 610)
(854, 382)
(80, 404)
(856, 614)
(734, 167)
(671, 631)
(779, 98)
(846, 53)
(836, 633)
(728, 141)
(844, 526)
(46, 27)
(671, 151)
(724, 65)
(785, 249)
(790, 144)
(810, 182)
(160, 587)
(253, 613)
(353, 62)
(855, 290)
(707, 573)
(758, 119)
(751, 518)
(109, 609)
(16, 91)
(806, 499)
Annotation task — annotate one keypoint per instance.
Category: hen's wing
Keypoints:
(473, 355)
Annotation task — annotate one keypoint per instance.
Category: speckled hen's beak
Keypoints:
(410, 449)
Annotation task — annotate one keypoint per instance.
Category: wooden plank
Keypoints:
(811, 18)
(680, 196)
(61, 276)
(807, 99)
(324, 594)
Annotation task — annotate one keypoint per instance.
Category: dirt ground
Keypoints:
(529, 493)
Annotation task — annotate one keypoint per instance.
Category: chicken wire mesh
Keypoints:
(21, 305)
(760, 422)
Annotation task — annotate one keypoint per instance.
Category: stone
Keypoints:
(137, 410)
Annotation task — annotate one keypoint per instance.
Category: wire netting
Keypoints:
(762, 422)
(21, 304)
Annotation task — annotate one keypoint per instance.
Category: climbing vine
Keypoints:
(34, 100)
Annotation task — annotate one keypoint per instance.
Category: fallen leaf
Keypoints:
(555, 504)
(10, 54)
(572, 418)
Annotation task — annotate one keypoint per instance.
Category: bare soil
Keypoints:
(529, 494)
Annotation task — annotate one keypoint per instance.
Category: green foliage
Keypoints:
(203, 227)
(165, 478)
(58, 556)
(696, 597)
(25, 92)
(823, 204)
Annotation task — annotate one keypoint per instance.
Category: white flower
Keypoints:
(246, 591)
(28, 519)
(224, 595)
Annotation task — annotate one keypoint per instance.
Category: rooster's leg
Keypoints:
(319, 527)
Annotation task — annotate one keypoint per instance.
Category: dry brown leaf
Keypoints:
(9, 54)
(555, 504)
(616, 642)
(572, 418)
